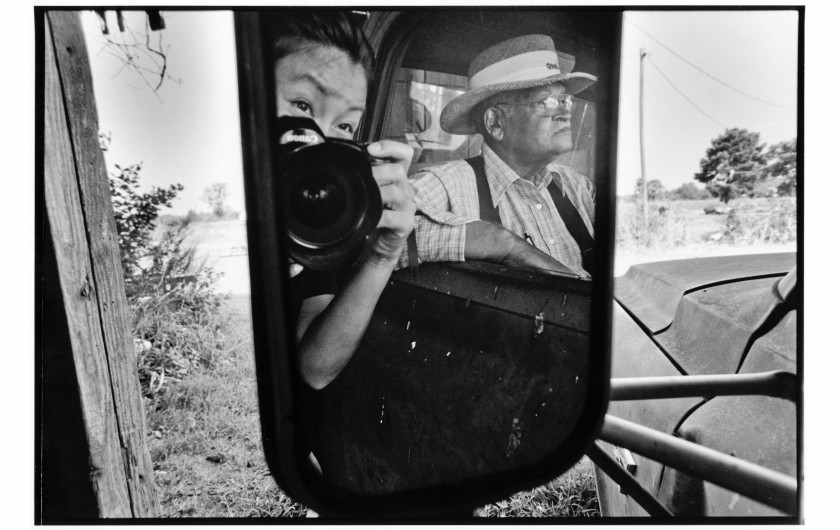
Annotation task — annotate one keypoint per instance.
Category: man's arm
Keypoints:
(490, 242)
(439, 224)
(447, 235)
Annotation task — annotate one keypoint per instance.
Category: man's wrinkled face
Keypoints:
(532, 134)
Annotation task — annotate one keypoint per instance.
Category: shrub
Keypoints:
(689, 191)
(748, 224)
(173, 302)
(177, 327)
(135, 214)
(666, 225)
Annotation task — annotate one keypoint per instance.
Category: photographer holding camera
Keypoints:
(323, 64)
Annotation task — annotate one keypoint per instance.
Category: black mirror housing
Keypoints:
(407, 441)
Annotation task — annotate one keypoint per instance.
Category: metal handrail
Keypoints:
(623, 478)
(775, 384)
(745, 478)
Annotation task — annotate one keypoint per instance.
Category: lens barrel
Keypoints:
(329, 198)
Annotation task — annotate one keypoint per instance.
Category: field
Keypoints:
(203, 432)
(204, 437)
(682, 229)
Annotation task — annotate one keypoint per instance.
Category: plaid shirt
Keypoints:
(447, 199)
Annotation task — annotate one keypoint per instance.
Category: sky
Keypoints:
(188, 131)
(704, 72)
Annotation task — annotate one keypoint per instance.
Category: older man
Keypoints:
(513, 204)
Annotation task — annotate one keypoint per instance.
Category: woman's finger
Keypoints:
(396, 191)
(392, 150)
(392, 197)
(398, 221)
(390, 173)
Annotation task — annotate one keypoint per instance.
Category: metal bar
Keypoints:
(637, 492)
(775, 384)
(750, 480)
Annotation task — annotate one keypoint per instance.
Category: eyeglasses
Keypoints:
(551, 105)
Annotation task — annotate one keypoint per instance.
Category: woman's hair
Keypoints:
(338, 29)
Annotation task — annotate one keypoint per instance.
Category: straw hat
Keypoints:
(522, 62)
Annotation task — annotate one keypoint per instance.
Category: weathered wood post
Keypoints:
(94, 461)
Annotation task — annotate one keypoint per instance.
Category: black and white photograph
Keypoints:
(421, 264)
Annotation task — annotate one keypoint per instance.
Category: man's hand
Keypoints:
(398, 206)
(490, 242)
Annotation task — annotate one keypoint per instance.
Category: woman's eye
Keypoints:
(347, 128)
(303, 106)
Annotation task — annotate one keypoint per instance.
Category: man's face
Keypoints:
(531, 134)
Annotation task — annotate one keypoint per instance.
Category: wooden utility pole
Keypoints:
(642, 55)
(93, 461)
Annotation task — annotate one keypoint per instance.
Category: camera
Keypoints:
(330, 201)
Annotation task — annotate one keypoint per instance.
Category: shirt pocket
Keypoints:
(539, 227)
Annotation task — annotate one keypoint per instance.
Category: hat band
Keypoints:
(523, 67)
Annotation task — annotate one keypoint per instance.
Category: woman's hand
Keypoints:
(398, 206)
(330, 327)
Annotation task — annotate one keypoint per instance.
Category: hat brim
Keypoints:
(455, 118)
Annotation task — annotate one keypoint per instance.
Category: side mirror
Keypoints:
(473, 380)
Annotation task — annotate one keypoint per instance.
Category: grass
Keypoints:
(680, 223)
(204, 432)
(570, 495)
(204, 439)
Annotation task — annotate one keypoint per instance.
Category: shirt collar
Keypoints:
(500, 176)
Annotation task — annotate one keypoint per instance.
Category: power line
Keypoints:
(727, 85)
(703, 112)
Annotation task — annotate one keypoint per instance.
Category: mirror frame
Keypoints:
(274, 340)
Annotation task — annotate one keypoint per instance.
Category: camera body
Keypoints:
(329, 199)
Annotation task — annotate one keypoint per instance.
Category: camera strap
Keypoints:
(413, 257)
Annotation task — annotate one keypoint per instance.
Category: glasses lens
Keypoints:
(554, 104)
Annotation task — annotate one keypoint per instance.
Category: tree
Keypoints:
(689, 191)
(655, 189)
(782, 165)
(139, 45)
(215, 196)
(733, 164)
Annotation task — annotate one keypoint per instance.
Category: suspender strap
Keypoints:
(486, 211)
(574, 224)
(568, 213)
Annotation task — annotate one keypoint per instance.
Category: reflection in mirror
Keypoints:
(452, 342)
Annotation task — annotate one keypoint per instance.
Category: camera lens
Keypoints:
(318, 201)
(328, 197)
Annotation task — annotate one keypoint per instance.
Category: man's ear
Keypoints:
(493, 120)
